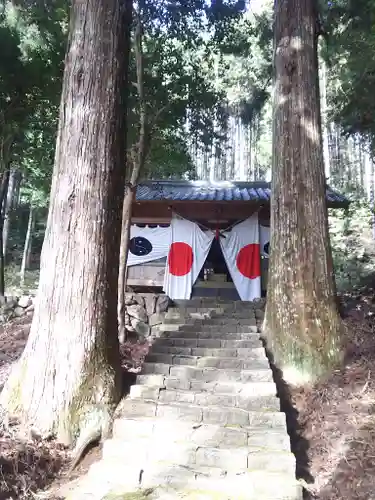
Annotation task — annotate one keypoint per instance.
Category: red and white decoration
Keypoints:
(187, 254)
(148, 244)
(241, 250)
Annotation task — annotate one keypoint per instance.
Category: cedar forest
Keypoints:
(186, 89)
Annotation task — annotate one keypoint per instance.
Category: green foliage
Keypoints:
(349, 53)
(352, 244)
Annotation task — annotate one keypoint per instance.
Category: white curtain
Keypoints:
(241, 251)
(148, 244)
(188, 252)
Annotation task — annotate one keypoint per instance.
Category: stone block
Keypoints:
(133, 408)
(155, 368)
(256, 376)
(185, 360)
(153, 357)
(269, 440)
(215, 436)
(222, 363)
(25, 301)
(155, 319)
(181, 413)
(153, 379)
(273, 461)
(267, 420)
(258, 403)
(126, 429)
(144, 392)
(185, 372)
(225, 416)
(209, 399)
(162, 304)
(173, 453)
(138, 312)
(140, 327)
(150, 303)
(226, 459)
(177, 383)
(214, 375)
(251, 353)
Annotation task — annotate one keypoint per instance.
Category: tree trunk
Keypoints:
(124, 250)
(27, 246)
(302, 324)
(3, 194)
(30, 246)
(8, 208)
(70, 366)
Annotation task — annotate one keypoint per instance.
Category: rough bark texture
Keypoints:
(27, 247)
(124, 250)
(3, 196)
(139, 154)
(8, 208)
(302, 324)
(71, 360)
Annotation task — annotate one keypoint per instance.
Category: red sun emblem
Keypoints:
(180, 259)
(248, 261)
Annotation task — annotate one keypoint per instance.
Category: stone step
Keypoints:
(191, 483)
(210, 322)
(213, 320)
(170, 339)
(214, 334)
(241, 352)
(242, 401)
(208, 374)
(208, 362)
(228, 330)
(215, 436)
(189, 454)
(139, 408)
(248, 389)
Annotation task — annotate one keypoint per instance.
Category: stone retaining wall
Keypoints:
(16, 307)
(145, 313)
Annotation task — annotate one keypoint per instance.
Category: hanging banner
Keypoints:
(148, 243)
(188, 252)
(241, 251)
(264, 237)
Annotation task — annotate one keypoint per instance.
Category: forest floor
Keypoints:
(332, 424)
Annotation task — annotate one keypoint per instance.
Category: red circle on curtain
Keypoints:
(180, 259)
(248, 261)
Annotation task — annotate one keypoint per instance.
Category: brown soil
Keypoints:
(26, 464)
(332, 424)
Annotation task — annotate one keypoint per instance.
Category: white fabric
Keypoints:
(160, 239)
(264, 236)
(188, 252)
(243, 234)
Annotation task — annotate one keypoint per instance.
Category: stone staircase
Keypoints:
(203, 420)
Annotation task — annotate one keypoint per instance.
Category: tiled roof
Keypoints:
(217, 191)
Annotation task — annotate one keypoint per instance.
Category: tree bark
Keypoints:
(124, 250)
(70, 365)
(27, 246)
(302, 324)
(8, 208)
(3, 195)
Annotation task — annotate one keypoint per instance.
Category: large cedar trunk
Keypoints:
(71, 360)
(302, 324)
